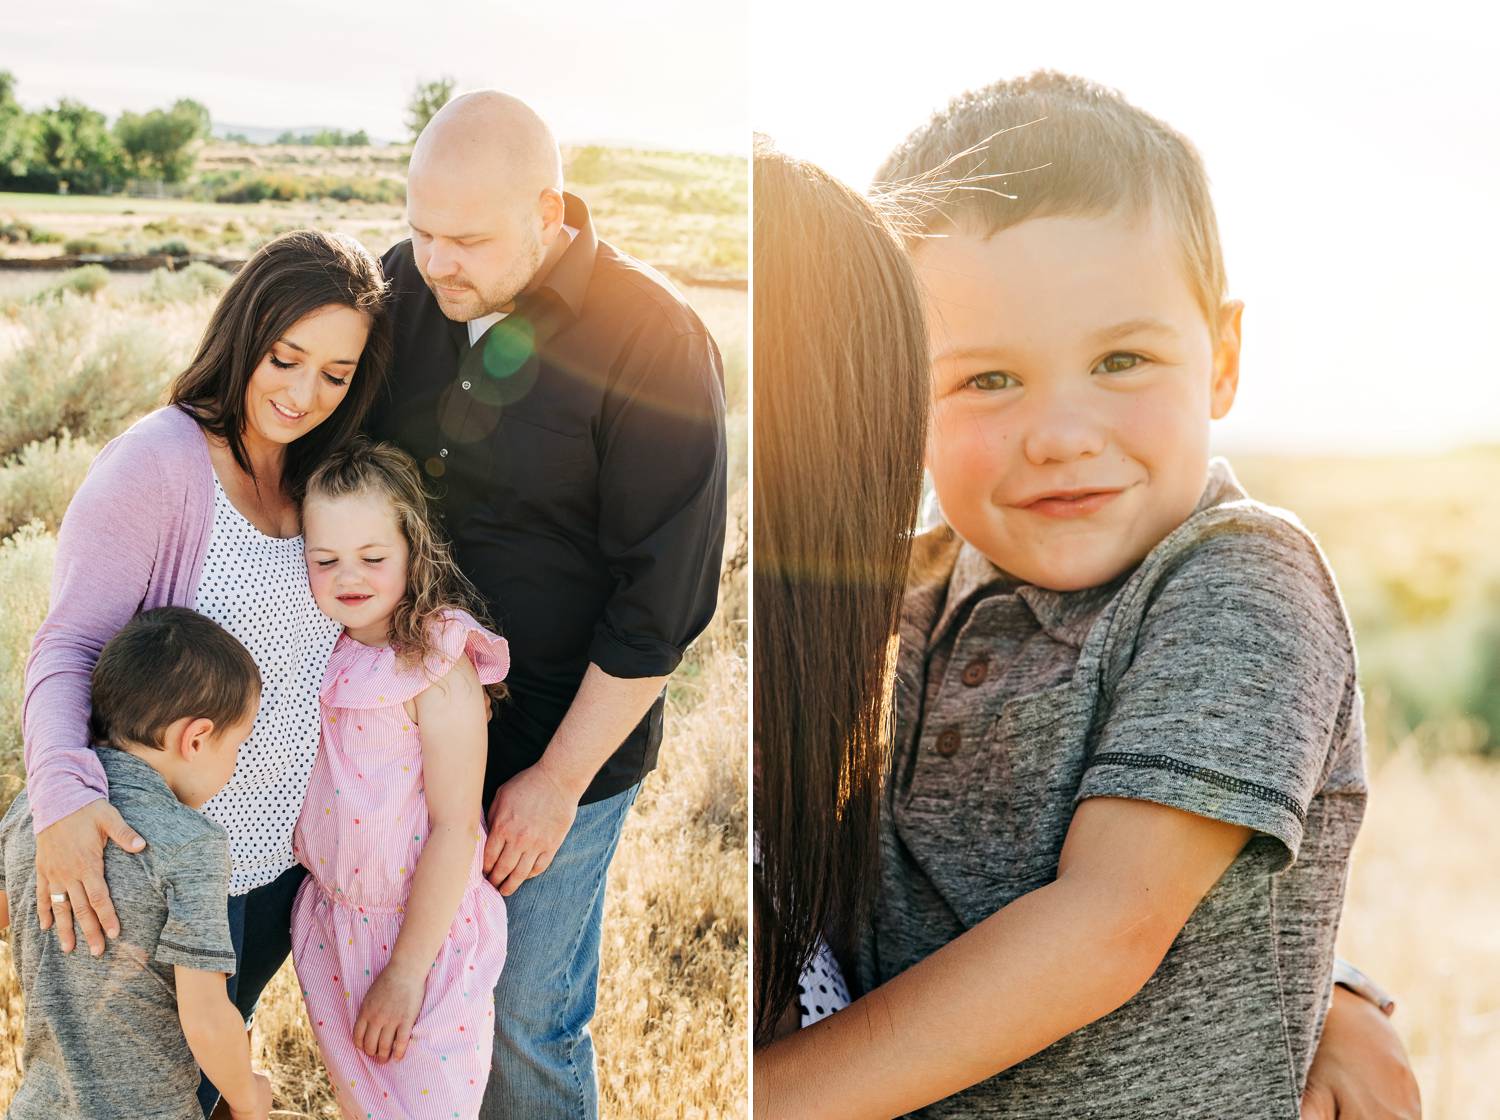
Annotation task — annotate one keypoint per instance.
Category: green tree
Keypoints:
(161, 143)
(75, 148)
(17, 131)
(425, 101)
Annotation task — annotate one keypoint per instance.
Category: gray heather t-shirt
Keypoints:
(103, 1039)
(1217, 678)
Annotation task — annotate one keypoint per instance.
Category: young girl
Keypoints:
(397, 938)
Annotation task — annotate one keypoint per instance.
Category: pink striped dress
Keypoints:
(362, 828)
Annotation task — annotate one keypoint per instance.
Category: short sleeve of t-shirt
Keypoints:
(1241, 675)
(196, 933)
(17, 816)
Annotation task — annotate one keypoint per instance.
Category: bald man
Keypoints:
(567, 407)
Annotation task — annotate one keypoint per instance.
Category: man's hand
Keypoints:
(529, 819)
(1360, 1070)
(70, 861)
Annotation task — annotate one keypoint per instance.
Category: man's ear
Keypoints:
(1226, 381)
(551, 207)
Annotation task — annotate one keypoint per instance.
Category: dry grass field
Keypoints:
(80, 358)
(1412, 543)
(683, 212)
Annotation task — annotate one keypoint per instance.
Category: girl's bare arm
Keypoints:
(450, 716)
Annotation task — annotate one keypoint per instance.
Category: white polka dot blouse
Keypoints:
(255, 587)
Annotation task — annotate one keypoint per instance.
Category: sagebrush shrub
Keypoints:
(37, 484)
(79, 371)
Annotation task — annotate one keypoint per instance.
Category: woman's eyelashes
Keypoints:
(332, 380)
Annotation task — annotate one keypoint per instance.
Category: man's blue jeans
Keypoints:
(544, 1055)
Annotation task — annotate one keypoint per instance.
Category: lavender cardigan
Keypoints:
(133, 538)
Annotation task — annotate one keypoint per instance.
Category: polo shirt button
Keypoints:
(466, 385)
(948, 742)
(444, 453)
(976, 671)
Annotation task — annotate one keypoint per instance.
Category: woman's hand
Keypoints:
(389, 1012)
(1360, 1071)
(70, 860)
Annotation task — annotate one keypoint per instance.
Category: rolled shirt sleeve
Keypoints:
(662, 484)
(1241, 682)
(196, 933)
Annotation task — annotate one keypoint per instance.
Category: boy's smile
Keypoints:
(1074, 377)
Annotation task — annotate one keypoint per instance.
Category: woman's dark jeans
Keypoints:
(260, 925)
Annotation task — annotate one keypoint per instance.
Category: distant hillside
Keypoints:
(259, 135)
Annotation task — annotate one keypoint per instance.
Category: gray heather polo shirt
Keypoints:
(103, 1039)
(1217, 678)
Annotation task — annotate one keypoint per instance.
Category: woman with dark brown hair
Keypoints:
(841, 404)
(840, 417)
(196, 505)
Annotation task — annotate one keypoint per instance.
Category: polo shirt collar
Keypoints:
(124, 770)
(1066, 616)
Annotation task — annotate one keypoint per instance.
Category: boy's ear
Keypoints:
(193, 737)
(1226, 381)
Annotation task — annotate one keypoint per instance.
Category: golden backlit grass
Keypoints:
(1423, 917)
(1411, 540)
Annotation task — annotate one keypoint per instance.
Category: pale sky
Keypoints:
(1356, 172)
(666, 72)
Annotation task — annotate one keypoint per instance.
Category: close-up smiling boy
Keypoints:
(1127, 769)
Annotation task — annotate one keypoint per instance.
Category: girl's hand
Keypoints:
(262, 1107)
(389, 1012)
(70, 860)
(1360, 1070)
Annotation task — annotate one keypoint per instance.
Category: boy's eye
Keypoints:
(279, 364)
(1119, 363)
(992, 380)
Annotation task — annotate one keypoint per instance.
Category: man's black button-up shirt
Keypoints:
(577, 451)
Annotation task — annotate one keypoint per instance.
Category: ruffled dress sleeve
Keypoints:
(361, 676)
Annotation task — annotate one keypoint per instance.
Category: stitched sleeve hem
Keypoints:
(1199, 790)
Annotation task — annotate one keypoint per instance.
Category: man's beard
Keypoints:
(475, 302)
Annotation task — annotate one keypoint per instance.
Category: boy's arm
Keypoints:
(216, 1035)
(1130, 876)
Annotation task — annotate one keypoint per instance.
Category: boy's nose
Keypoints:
(1062, 433)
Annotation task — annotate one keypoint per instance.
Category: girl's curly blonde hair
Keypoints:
(433, 581)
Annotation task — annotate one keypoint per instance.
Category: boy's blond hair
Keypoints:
(1052, 145)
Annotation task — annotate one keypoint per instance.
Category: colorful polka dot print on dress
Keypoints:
(361, 831)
